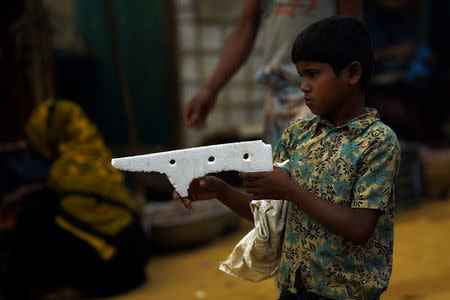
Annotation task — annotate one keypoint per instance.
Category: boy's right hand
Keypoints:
(203, 188)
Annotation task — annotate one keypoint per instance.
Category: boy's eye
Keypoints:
(309, 74)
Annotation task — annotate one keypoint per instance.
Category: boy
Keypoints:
(338, 237)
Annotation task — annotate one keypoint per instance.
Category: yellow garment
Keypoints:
(105, 250)
(90, 190)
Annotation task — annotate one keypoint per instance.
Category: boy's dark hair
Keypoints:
(338, 41)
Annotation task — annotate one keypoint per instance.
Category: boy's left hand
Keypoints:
(274, 184)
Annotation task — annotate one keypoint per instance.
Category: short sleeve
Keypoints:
(280, 152)
(376, 175)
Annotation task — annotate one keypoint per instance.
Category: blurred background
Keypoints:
(131, 67)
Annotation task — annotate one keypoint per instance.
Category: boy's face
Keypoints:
(324, 91)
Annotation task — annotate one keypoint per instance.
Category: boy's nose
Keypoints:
(305, 87)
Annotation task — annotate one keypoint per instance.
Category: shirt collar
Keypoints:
(355, 126)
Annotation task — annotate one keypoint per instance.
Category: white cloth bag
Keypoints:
(256, 257)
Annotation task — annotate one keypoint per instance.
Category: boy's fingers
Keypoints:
(258, 197)
(203, 184)
(193, 189)
(249, 175)
(250, 183)
(187, 203)
(209, 183)
(253, 190)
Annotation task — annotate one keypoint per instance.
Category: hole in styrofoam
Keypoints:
(172, 161)
(246, 156)
(211, 159)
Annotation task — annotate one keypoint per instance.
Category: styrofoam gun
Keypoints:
(182, 166)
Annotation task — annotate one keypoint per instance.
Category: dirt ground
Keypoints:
(421, 264)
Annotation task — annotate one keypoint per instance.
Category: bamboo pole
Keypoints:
(124, 88)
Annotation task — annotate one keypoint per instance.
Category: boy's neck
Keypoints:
(350, 109)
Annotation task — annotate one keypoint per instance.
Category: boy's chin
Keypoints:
(315, 111)
(312, 107)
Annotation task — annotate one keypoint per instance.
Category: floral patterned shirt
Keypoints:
(354, 165)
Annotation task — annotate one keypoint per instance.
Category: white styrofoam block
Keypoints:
(182, 166)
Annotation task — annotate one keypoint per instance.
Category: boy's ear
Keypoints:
(353, 72)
